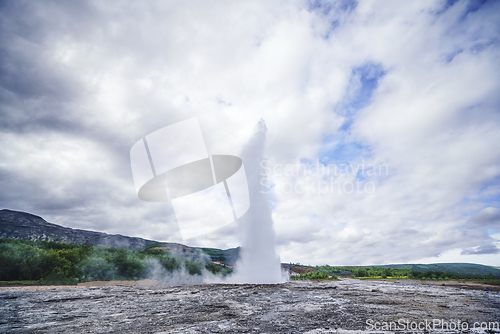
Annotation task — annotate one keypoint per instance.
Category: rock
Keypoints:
(26, 226)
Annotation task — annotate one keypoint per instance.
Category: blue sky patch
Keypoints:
(345, 153)
(338, 148)
(363, 82)
(325, 7)
(330, 11)
(472, 6)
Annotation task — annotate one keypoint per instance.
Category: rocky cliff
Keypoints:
(26, 226)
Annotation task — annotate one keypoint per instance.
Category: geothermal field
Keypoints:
(345, 306)
(256, 298)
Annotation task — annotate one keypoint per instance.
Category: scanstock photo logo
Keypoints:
(206, 191)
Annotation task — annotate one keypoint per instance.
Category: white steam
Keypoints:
(181, 276)
(258, 261)
(176, 277)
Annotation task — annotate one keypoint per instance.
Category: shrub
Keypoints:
(315, 275)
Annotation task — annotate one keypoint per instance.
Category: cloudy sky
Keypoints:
(383, 117)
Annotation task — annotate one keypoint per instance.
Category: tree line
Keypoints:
(413, 273)
(61, 263)
(315, 275)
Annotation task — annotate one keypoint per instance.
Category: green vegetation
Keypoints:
(218, 269)
(439, 275)
(453, 271)
(215, 254)
(228, 256)
(462, 269)
(19, 283)
(58, 263)
(315, 275)
(48, 262)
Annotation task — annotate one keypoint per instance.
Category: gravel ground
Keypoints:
(342, 306)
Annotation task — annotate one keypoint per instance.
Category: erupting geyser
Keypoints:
(258, 260)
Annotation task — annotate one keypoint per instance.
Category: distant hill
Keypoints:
(453, 268)
(26, 226)
(457, 270)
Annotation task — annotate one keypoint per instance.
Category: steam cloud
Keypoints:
(181, 276)
(258, 261)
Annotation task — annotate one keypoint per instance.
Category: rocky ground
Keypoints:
(342, 306)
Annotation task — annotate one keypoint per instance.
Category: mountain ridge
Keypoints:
(27, 226)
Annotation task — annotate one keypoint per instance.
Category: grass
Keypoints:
(494, 281)
(19, 282)
(313, 279)
(42, 282)
(315, 275)
(380, 277)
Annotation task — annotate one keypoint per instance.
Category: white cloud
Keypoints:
(90, 80)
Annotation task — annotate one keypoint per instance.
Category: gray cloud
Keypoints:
(483, 249)
(81, 82)
(488, 217)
